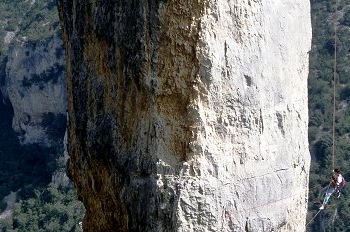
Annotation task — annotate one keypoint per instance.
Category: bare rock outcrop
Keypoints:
(36, 87)
(188, 115)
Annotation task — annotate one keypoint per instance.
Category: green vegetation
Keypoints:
(30, 20)
(324, 17)
(54, 208)
(41, 21)
(41, 205)
(35, 20)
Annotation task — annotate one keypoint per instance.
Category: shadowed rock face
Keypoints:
(186, 115)
(35, 85)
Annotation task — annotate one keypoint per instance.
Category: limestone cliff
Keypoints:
(188, 115)
(31, 69)
(36, 87)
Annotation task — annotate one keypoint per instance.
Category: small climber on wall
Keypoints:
(336, 185)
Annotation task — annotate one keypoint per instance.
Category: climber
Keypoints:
(335, 187)
(340, 181)
(328, 191)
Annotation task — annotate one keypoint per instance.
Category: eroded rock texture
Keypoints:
(188, 115)
(36, 87)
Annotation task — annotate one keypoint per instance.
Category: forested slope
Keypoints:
(328, 17)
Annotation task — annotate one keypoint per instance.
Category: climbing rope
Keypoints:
(313, 217)
(334, 99)
(334, 81)
(324, 200)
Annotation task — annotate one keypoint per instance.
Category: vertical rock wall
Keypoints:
(188, 115)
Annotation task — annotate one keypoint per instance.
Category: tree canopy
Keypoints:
(327, 18)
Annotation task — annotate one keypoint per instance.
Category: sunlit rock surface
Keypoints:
(188, 115)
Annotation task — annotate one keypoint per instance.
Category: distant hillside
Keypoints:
(23, 20)
(33, 121)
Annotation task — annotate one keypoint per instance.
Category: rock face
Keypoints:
(188, 115)
(35, 85)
